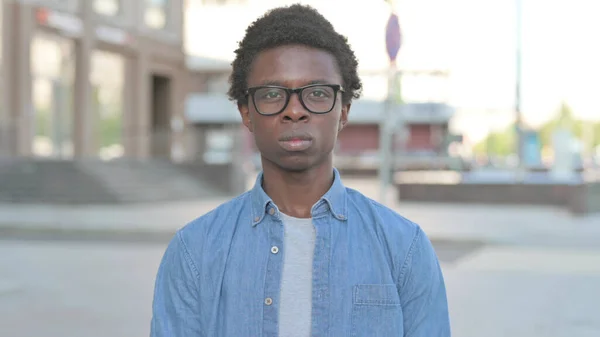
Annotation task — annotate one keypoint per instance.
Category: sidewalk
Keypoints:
(488, 223)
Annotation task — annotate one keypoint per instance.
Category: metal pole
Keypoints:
(387, 123)
(588, 141)
(239, 176)
(385, 126)
(518, 113)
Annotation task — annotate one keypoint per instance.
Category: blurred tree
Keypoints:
(496, 143)
(564, 118)
(111, 126)
(108, 120)
(42, 122)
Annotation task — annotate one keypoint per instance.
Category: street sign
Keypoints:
(392, 37)
(113, 35)
(68, 24)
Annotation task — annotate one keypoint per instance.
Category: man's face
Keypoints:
(295, 139)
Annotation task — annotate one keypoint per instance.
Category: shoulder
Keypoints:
(402, 238)
(399, 234)
(381, 215)
(221, 219)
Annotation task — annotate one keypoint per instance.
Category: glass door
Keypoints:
(52, 69)
(107, 77)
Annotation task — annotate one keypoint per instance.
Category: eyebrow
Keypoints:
(280, 84)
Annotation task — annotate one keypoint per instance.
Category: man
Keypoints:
(299, 254)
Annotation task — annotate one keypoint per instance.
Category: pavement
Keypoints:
(500, 224)
(509, 270)
(96, 289)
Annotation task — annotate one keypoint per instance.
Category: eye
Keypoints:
(273, 94)
(270, 94)
(319, 93)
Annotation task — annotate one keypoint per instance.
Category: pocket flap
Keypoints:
(376, 294)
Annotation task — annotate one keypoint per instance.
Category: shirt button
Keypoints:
(341, 216)
(274, 250)
(272, 211)
(256, 219)
(268, 301)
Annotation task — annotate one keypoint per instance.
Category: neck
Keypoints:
(295, 193)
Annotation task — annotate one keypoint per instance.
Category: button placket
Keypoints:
(272, 281)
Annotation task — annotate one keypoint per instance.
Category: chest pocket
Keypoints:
(376, 311)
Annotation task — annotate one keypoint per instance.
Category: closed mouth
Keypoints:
(295, 136)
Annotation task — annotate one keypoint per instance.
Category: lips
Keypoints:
(295, 141)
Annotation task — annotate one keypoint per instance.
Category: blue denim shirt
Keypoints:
(375, 273)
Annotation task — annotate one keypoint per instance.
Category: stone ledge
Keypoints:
(579, 199)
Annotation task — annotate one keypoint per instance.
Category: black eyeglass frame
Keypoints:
(336, 88)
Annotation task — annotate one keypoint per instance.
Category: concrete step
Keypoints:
(94, 181)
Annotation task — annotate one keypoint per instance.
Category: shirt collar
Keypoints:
(334, 200)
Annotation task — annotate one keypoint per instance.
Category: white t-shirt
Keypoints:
(296, 282)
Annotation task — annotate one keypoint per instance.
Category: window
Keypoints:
(219, 146)
(156, 13)
(52, 68)
(107, 79)
(107, 7)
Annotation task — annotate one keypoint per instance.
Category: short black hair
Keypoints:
(296, 24)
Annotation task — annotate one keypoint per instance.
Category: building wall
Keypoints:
(420, 138)
(145, 51)
(357, 139)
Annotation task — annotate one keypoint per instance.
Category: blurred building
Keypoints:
(421, 140)
(92, 78)
(423, 144)
(147, 79)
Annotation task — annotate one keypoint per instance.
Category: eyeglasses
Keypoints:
(317, 98)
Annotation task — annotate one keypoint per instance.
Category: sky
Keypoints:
(474, 40)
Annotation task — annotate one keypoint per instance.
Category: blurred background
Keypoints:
(480, 120)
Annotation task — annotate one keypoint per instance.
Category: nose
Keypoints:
(295, 111)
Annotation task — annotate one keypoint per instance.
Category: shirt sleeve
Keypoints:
(423, 292)
(175, 307)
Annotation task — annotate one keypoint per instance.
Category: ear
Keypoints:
(344, 116)
(245, 114)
